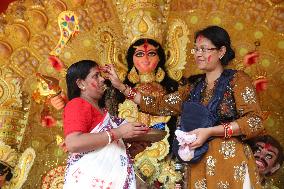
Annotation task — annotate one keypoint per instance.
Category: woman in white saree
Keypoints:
(98, 157)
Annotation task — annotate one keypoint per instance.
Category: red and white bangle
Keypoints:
(113, 138)
(228, 130)
(132, 93)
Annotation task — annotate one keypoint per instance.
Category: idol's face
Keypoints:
(146, 58)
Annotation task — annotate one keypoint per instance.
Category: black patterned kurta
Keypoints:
(224, 164)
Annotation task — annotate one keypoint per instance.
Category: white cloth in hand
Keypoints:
(185, 153)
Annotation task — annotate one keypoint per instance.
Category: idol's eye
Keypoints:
(152, 53)
(139, 54)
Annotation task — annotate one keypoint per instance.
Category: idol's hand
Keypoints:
(130, 130)
(59, 101)
(202, 134)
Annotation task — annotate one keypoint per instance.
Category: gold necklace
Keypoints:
(147, 77)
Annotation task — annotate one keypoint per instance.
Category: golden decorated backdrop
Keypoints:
(29, 32)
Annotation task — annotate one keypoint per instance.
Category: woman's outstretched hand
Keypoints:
(130, 130)
(110, 74)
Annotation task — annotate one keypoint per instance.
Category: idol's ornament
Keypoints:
(14, 110)
(46, 88)
(148, 20)
(69, 27)
(260, 79)
(259, 76)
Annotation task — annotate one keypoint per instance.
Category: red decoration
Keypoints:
(228, 130)
(4, 5)
(251, 58)
(261, 84)
(48, 121)
(56, 63)
(113, 138)
(157, 184)
(146, 44)
(132, 93)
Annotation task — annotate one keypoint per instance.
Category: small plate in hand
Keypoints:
(154, 135)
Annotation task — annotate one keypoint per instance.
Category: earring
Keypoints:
(160, 75)
(83, 88)
(133, 77)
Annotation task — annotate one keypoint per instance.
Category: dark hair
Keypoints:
(4, 169)
(269, 140)
(219, 37)
(170, 84)
(78, 70)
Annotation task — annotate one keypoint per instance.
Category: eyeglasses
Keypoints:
(202, 50)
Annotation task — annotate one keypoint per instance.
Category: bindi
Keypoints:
(145, 45)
